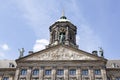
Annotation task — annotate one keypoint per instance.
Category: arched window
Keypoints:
(62, 37)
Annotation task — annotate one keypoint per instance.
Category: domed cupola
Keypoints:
(63, 32)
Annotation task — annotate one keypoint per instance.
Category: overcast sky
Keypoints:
(25, 24)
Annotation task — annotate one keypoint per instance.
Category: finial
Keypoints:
(63, 15)
(63, 12)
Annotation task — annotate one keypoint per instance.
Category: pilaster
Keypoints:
(54, 73)
(78, 73)
(29, 70)
(66, 73)
(17, 74)
(41, 73)
(103, 71)
(91, 73)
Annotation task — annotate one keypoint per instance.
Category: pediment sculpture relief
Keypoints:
(60, 54)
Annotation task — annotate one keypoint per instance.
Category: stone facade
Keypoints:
(62, 60)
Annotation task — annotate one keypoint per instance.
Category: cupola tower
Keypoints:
(63, 32)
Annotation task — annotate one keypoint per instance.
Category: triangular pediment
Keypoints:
(61, 53)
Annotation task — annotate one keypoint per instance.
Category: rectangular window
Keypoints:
(35, 72)
(118, 78)
(72, 72)
(60, 72)
(5, 78)
(48, 72)
(23, 71)
(85, 72)
(97, 72)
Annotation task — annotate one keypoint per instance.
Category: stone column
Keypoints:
(17, 74)
(29, 70)
(55, 35)
(53, 73)
(41, 73)
(91, 73)
(67, 37)
(11, 78)
(66, 73)
(50, 37)
(0, 77)
(103, 73)
(78, 73)
(67, 34)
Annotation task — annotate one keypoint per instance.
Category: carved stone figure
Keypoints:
(21, 51)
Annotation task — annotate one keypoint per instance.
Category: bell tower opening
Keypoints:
(62, 37)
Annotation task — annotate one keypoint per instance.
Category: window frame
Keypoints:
(35, 72)
(117, 78)
(23, 72)
(60, 72)
(85, 72)
(72, 72)
(97, 71)
(5, 78)
(48, 72)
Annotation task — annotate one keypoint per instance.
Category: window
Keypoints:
(23, 71)
(11, 65)
(72, 72)
(6, 78)
(114, 65)
(97, 72)
(108, 78)
(60, 72)
(85, 72)
(118, 78)
(35, 72)
(48, 72)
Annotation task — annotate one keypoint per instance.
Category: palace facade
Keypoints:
(61, 60)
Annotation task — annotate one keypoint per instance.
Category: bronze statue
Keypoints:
(101, 52)
(62, 38)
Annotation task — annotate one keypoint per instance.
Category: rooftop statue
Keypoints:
(21, 51)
